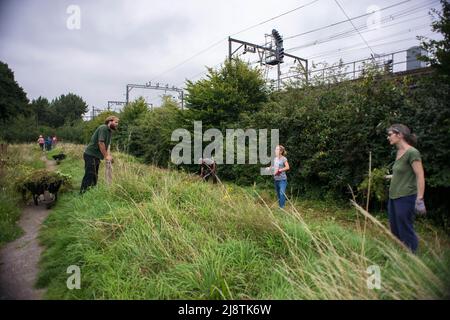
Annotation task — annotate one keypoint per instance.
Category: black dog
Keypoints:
(59, 157)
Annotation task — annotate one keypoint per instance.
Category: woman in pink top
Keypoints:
(41, 142)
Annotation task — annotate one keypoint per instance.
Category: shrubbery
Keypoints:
(328, 129)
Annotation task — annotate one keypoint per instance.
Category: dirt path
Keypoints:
(19, 259)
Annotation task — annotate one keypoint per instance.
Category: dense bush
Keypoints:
(328, 130)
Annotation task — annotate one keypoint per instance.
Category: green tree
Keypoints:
(439, 49)
(13, 99)
(67, 109)
(224, 96)
(129, 118)
(151, 136)
(41, 108)
(134, 111)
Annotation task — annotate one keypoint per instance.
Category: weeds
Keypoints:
(159, 234)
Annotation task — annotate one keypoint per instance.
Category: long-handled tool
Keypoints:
(108, 169)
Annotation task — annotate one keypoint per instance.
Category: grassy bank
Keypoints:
(18, 160)
(159, 234)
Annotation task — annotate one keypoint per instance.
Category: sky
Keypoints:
(95, 48)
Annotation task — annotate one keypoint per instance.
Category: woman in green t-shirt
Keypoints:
(407, 185)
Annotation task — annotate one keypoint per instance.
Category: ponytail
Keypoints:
(409, 137)
(283, 151)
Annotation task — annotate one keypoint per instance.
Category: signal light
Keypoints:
(280, 54)
(279, 50)
(278, 38)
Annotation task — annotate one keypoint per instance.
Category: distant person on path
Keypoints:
(279, 168)
(48, 143)
(97, 150)
(407, 185)
(41, 142)
(54, 141)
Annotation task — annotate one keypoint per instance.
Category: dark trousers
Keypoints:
(91, 165)
(401, 218)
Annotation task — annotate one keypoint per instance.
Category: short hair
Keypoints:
(110, 118)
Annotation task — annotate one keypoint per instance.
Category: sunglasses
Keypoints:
(391, 133)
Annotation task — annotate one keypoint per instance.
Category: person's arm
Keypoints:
(286, 166)
(420, 177)
(104, 151)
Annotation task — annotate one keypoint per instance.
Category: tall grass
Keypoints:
(18, 159)
(159, 234)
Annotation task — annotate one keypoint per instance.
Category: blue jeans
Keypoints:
(280, 189)
(401, 218)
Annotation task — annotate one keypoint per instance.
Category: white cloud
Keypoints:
(124, 42)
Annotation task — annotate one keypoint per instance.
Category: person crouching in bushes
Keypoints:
(280, 166)
(208, 169)
(407, 185)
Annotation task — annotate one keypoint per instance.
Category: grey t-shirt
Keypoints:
(280, 164)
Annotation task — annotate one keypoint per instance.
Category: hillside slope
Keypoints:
(159, 234)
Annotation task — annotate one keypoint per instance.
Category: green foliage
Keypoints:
(19, 160)
(151, 136)
(21, 121)
(133, 111)
(128, 134)
(13, 99)
(160, 234)
(74, 132)
(33, 180)
(378, 185)
(225, 95)
(328, 129)
(42, 177)
(66, 109)
(42, 111)
(439, 50)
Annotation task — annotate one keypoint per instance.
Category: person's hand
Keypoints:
(420, 207)
(389, 176)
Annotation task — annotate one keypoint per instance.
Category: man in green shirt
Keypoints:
(97, 150)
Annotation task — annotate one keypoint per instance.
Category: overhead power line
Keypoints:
(234, 34)
(343, 21)
(354, 27)
(351, 33)
(404, 12)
